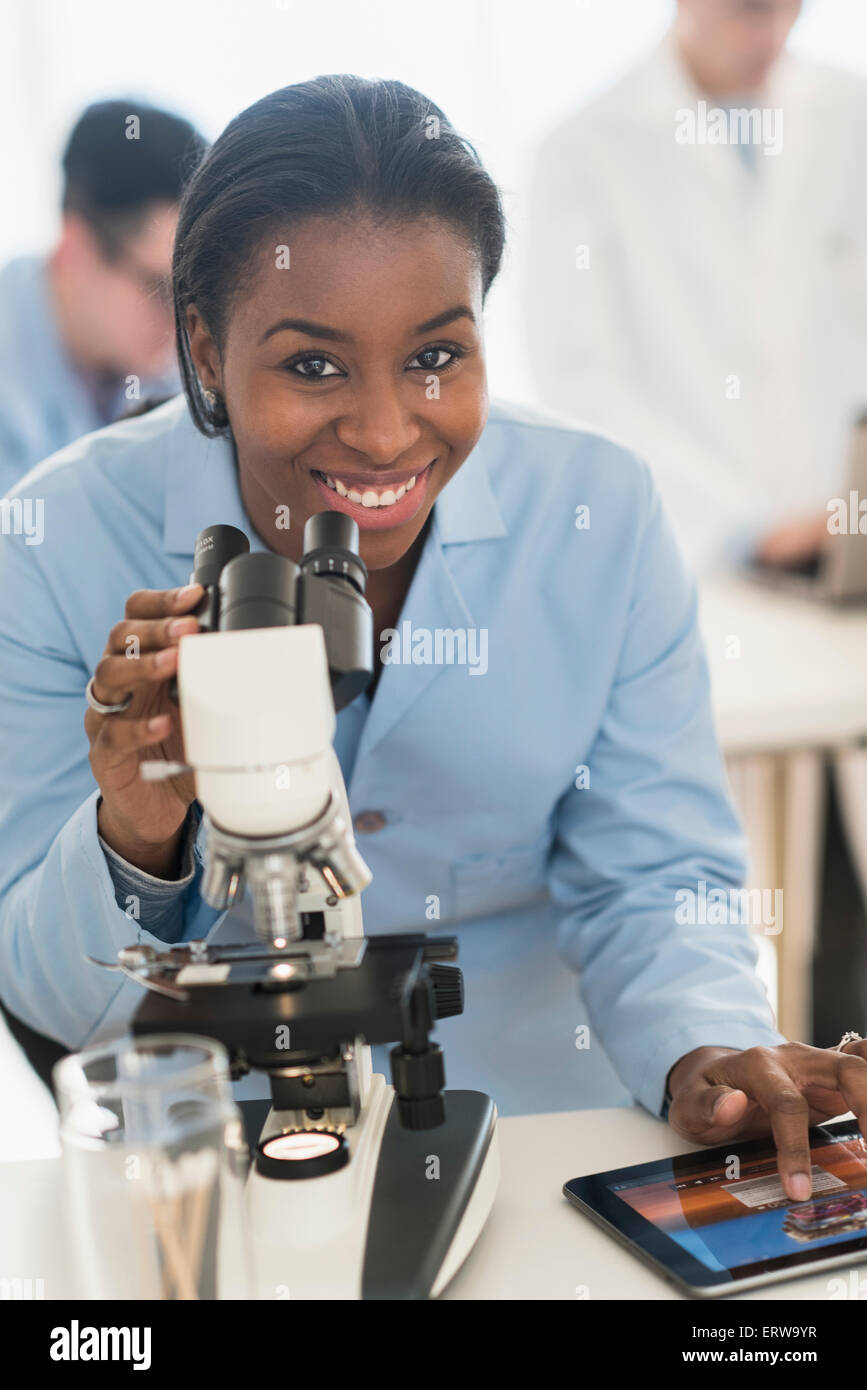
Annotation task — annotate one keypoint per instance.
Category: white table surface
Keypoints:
(535, 1245)
(800, 676)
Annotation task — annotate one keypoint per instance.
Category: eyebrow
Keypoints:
(333, 335)
(459, 311)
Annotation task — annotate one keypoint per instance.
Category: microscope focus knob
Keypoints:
(422, 1114)
(418, 1079)
(448, 989)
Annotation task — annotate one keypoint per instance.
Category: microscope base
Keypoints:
(396, 1222)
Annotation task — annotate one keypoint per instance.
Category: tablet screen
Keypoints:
(734, 1215)
(720, 1215)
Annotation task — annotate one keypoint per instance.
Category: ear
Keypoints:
(77, 244)
(204, 351)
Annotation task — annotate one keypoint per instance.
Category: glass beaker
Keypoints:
(155, 1161)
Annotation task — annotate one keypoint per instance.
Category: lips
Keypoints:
(376, 517)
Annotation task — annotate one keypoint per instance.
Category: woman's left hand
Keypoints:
(720, 1095)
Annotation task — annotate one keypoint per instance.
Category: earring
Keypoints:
(216, 408)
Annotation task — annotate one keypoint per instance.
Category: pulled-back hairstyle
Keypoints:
(332, 145)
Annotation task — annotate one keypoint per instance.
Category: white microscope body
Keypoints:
(355, 1191)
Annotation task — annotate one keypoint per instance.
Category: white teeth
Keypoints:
(369, 498)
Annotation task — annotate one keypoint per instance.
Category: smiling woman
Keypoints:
(333, 255)
(351, 380)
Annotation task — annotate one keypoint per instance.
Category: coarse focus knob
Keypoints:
(448, 990)
(422, 1114)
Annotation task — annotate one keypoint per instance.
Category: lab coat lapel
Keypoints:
(202, 487)
(434, 601)
(790, 177)
(720, 169)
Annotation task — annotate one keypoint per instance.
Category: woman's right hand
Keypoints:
(142, 821)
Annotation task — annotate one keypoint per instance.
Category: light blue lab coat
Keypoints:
(551, 808)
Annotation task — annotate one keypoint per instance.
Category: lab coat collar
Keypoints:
(666, 87)
(201, 486)
(669, 83)
(202, 490)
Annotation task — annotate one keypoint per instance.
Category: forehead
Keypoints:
(341, 271)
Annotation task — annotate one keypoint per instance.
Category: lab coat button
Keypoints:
(367, 822)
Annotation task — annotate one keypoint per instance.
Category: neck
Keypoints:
(387, 588)
(704, 73)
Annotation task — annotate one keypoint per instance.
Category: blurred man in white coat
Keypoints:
(698, 275)
(698, 286)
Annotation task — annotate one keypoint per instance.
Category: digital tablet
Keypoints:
(718, 1221)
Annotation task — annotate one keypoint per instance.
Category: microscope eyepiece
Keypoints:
(245, 589)
(258, 591)
(331, 549)
(215, 547)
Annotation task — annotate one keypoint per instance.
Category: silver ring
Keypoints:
(847, 1038)
(99, 706)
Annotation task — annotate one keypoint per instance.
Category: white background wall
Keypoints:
(505, 72)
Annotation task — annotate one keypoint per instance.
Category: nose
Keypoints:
(380, 425)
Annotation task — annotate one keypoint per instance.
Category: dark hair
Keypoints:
(333, 144)
(115, 168)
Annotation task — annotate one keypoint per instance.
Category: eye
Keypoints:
(314, 366)
(430, 359)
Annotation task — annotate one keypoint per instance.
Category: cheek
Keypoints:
(134, 320)
(114, 309)
(270, 424)
(463, 411)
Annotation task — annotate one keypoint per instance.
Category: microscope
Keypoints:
(357, 1188)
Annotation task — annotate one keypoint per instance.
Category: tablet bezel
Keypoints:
(591, 1195)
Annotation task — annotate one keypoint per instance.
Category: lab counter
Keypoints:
(534, 1246)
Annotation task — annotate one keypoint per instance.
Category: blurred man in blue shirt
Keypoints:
(87, 331)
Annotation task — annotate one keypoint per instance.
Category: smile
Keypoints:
(391, 502)
(370, 497)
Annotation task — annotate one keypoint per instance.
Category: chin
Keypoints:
(379, 549)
